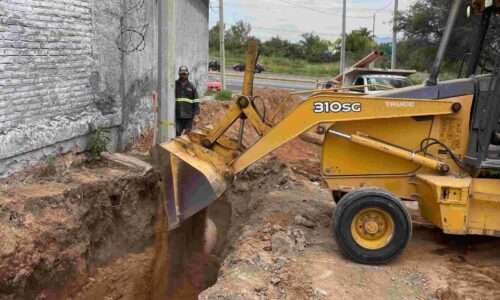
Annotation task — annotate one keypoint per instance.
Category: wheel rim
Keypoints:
(372, 228)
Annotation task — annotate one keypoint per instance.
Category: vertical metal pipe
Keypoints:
(373, 32)
(222, 49)
(166, 70)
(394, 37)
(240, 134)
(443, 46)
(342, 50)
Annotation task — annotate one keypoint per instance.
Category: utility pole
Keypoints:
(373, 31)
(222, 50)
(166, 70)
(394, 36)
(342, 50)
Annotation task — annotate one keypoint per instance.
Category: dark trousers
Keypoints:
(183, 124)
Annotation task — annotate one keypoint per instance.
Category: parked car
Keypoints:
(241, 67)
(214, 84)
(214, 65)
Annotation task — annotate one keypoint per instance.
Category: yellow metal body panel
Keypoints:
(444, 200)
(404, 186)
(396, 151)
(484, 208)
(344, 161)
(343, 158)
(453, 131)
(461, 205)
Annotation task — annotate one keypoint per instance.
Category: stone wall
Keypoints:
(66, 64)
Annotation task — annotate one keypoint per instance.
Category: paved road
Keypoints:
(235, 84)
(298, 76)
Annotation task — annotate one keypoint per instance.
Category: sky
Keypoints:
(291, 18)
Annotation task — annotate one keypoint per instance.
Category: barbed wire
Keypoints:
(132, 38)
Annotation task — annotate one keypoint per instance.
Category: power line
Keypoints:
(385, 7)
(296, 5)
(268, 29)
(319, 10)
(212, 8)
(280, 8)
(322, 11)
(292, 31)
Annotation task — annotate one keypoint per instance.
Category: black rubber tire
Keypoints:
(363, 198)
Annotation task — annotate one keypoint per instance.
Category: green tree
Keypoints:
(358, 45)
(278, 47)
(214, 38)
(238, 36)
(314, 47)
(423, 25)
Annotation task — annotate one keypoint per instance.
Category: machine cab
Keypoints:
(484, 145)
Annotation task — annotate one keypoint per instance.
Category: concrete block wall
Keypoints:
(188, 52)
(61, 70)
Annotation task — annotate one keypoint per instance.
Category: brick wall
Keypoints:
(61, 70)
(45, 60)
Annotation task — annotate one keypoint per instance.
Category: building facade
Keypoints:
(67, 66)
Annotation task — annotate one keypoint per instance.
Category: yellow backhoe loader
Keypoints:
(438, 144)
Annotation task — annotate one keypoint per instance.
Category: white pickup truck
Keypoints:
(394, 81)
(390, 78)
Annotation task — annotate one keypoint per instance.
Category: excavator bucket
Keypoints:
(190, 181)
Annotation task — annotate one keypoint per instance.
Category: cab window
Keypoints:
(359, 81)
(393, 82)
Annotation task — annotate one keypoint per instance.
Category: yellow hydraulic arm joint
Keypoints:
(369, 142)
(243, 105)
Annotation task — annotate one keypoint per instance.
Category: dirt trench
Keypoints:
(61, 222)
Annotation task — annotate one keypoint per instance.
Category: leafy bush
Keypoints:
(209, 92)
(98, 143)
(51, 162)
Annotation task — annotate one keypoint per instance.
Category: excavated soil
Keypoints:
(64, 237)
(61, 221)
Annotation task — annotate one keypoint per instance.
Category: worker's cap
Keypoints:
(183, 70)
